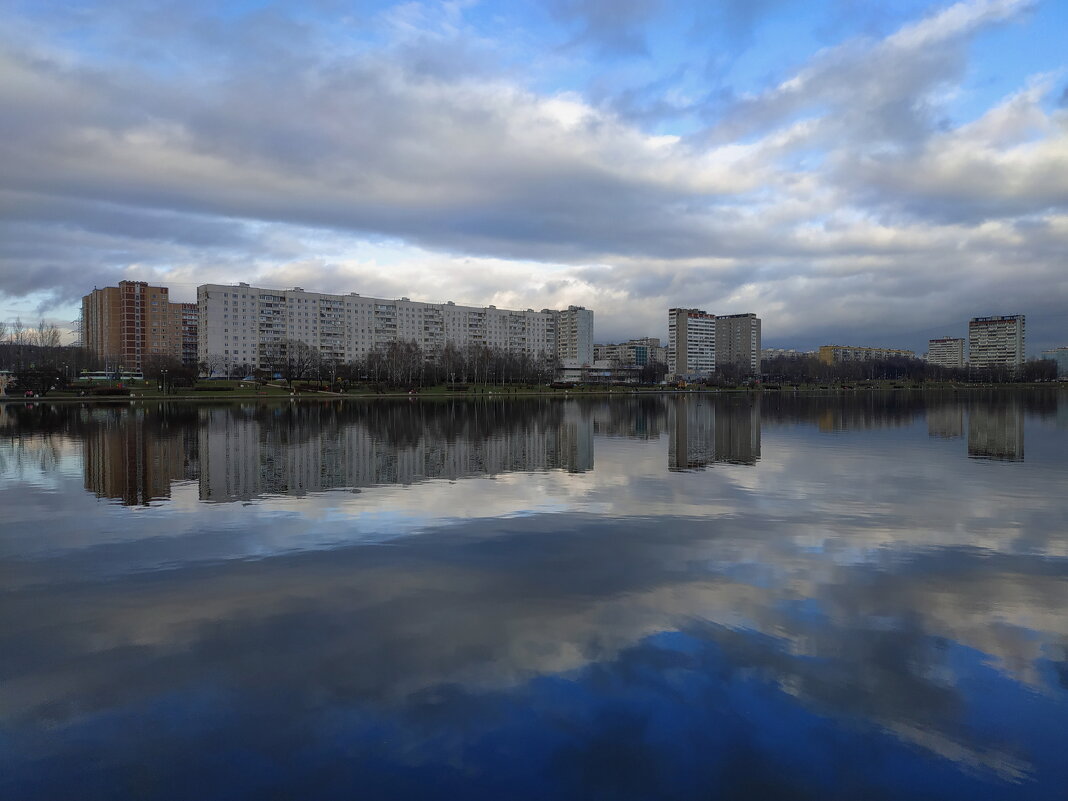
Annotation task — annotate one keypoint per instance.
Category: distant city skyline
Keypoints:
(853, 173)
(571, 331)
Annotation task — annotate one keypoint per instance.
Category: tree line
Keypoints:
(34, 356)
(810, 370)
(398, 364)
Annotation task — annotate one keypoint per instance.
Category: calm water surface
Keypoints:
(787, 598)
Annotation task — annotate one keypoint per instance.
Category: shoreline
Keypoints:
(498, 394)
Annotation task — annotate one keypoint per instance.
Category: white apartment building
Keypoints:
(946, 352)
(997, 341)
(241, 323)
(691, 343)
(574, 335)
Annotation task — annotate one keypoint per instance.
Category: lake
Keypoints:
(860, 596)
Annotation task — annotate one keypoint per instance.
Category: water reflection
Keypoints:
(946, 422)
(843, 609)
(133, 455)
(704, 432)
(996, 431)
(251, 451)
(241, 451)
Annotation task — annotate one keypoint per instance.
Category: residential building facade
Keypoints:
(691, 343)
(785, 353)
(946, 352)
(633, 352)
(997, 341)
(738, 341)
(574, 335)
(1060, 356)
(127, 325)
(242, 325)
(831, 354)
(190, 325)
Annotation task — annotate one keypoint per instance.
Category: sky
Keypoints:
(853, 172)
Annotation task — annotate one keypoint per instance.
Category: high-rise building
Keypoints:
(189, 333)
(1060, 356)
(997, 341)
(243, 325)
(738, 341)
(574, 335)
(946, 352)
(691, 343)
(127, 325)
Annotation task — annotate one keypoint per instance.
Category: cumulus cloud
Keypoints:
(408, 153)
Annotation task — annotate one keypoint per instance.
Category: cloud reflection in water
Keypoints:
(831, 601)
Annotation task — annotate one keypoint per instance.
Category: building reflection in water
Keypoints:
(789, 617)
(630, 417)
(946, 421)
(134, 453)
(704, 431)
(996, 431)
(252, 451)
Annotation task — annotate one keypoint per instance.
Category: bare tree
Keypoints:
(17, 341)
(210, 364)
(652, 372)
(404, 362)
(292, 359)
(46, 335)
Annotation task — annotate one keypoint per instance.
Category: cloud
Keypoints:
(871, 93)
(1012, 161)
(408, 154)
